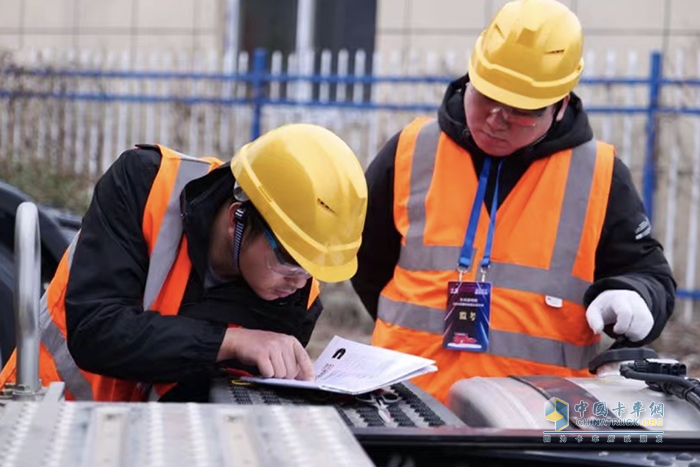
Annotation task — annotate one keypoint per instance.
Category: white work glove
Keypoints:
(626, 308)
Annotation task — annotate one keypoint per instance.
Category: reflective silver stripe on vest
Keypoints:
(167, 242)
(56, 345)
(161, 260)
(170, 233)
(501, 343)
(152, 394)
(556, 281)
(148, 390)
(560, 284)
(574, 207)
(422, 167)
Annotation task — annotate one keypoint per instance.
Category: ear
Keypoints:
(564, 105)
(232, 218)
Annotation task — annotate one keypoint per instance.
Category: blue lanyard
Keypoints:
(465, 256)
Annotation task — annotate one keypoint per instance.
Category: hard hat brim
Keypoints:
(323, 273)
(333, 273)
(507, 97)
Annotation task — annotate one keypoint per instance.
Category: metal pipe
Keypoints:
(306, 14)
(231, 33)
(26, 298)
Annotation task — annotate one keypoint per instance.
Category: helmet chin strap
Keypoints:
(240, 216)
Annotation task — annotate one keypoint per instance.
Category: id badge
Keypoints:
(467, 317)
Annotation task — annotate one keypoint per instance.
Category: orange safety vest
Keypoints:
(542, 261)
(168, 272)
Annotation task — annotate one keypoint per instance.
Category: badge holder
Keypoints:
(468, 314)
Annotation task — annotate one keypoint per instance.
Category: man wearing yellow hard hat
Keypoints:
(186, 265)
(501, 237)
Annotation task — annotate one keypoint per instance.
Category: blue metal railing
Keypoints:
(649, 179)
(260, 76)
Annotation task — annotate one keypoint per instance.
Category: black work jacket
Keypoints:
(108, 331)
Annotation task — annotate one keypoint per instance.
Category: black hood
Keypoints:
(200, 202)
(571, 131)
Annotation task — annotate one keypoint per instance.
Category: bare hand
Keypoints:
(276, 355)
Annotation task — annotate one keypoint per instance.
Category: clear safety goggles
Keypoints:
(519, 117)
(281, 262)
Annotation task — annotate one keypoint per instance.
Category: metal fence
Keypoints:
(79, 110)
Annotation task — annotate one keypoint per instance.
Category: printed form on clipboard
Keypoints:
(348, 367)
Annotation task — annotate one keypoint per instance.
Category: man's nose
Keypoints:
(497, 119)
(297, 281)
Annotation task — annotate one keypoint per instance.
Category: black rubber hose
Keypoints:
(679, 386)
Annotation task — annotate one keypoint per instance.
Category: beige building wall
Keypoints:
(453, 25)
(423, 25)
(184, 25)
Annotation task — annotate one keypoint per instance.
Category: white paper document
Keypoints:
(349, 367)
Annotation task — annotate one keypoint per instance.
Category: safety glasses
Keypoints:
(280, 261)
(518, 117)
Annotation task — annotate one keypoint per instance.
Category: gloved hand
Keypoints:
(626, 308)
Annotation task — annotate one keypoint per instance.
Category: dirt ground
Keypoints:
(345, 316)
(682, 342)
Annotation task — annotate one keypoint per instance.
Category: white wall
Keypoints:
(118, 25)
(642, 25)
(436, 25)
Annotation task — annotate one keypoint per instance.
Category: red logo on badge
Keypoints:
(462, 338)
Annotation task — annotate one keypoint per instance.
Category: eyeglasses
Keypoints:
(280, 261)
(519, 117)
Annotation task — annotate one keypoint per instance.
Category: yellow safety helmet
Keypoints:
(529, 56)
(310, 188)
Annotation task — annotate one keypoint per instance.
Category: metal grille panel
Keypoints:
(415, 407)
(161, 434)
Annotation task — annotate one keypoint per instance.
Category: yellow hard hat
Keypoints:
(529, 56)
(310, 188)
